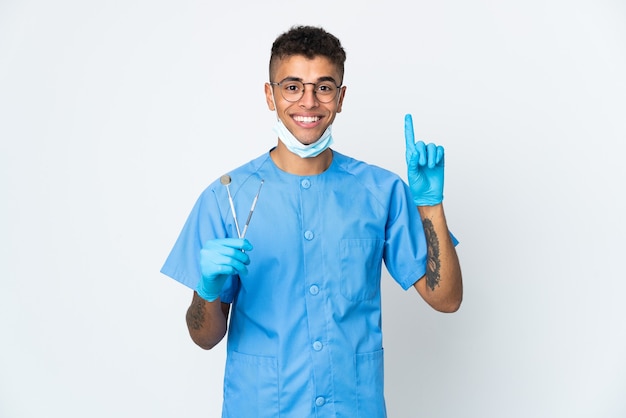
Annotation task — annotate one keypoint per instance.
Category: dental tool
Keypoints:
(225, 180)
(245, 227)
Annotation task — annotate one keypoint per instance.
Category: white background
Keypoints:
(114, 115)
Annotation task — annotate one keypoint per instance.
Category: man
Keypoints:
(303, 287)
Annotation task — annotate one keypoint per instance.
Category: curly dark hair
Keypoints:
(311, 42)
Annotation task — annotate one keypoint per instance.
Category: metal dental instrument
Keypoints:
(225, 180)
(245, 227)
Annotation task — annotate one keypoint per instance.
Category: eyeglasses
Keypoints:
(292, 90)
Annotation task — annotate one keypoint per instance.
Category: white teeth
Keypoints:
(306, 119)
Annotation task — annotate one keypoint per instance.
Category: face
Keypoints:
(308, 118)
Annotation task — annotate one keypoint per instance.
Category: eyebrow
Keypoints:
(320, 79)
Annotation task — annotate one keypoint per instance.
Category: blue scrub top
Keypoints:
(305, 337)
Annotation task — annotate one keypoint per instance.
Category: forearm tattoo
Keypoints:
(433, 264)
(195, 314)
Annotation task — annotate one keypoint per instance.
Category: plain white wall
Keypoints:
(115, 115)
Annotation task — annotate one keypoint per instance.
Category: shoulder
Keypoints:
(365, 171)
(382, 185)
(259, 164)
(240, 175)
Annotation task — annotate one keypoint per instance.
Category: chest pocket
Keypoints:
(361, 261)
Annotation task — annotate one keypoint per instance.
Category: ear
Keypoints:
(269, 98)
(342, 93)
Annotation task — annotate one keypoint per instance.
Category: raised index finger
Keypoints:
(409, 136)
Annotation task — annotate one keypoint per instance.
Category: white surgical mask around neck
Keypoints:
(297, 147)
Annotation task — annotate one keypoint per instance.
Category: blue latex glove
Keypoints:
(425, 168)
(220, 258)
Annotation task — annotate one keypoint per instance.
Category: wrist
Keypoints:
(430, 211)
(208, 291)
(209, 297)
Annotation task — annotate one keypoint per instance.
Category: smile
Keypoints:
(306, 119)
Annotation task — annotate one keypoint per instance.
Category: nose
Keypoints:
(308, 99)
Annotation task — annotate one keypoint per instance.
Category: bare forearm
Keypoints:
(442, 285)
(206, 321)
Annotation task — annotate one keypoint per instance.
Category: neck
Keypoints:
(293, 164)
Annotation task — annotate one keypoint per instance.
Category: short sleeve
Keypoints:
(405, 244)
(203, 223)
